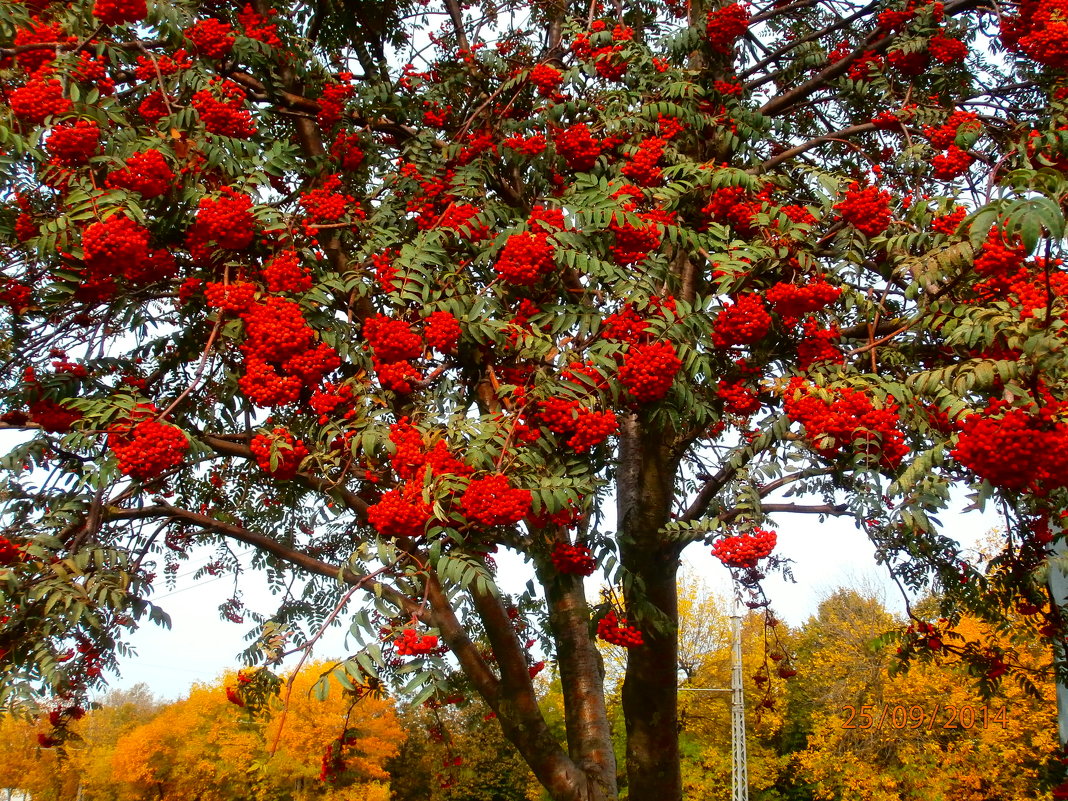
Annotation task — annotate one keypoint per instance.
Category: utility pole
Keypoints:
(739, 759)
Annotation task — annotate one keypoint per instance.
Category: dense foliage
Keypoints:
(379, 288)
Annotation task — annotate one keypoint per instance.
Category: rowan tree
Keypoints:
(378, 288)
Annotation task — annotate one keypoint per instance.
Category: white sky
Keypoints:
(826, 555)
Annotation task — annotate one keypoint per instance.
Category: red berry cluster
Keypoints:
(546, 78)
(641, 167)
(329, 398)
(326, 204)
(866, 208)
(947, 224)
(283, 272)
(625, 325)
(733, 206)
(951, 164)
(10, 552)
(399, 377)
(847, 419)
(146, 173)
(792, 301)
(525, 258)
(746, 549)
(442, 331)
(492, 501)
(866, 66)
(609, 62)
(114, 244)
(725, 26)
(281, 356)
(943, 136)
(411, 644)
(401, 512)
(817, 345)
(909, 64)
(167, 64)
(347, 151)
(224, 221)
(574, 559)
(946, 50)
(73, 145)
(38, 33)
(212, 37)
(1039, 29)
(53, 417)
(226, 116)
(332, 102)
(999, 258)
(616, 631)
(153, 108)
(633, 244)
(92, 70)
(238, 297)
(577, 147)
(738, 398)
(116, 12)
(1016, 448)
(40, 98)
(288, 453)
(259, 27)
(147, 449)
(648, 370)
(411, 458)
(587, 428)
(393, 340)
(742, 323)
(461, 217)
(527, 145)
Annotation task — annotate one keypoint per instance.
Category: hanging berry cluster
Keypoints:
(725, 26)
(401, 512)
(410, 643)
(147, 449)
(584, 427)
(745, 322)
(72, 145)
(10, 553)
(278, 454)
(649, 370)
(221, 222)
(492, 501)
(394, 344)
(146, 173)
(526, 258)
(117, 12)
(1016, 448)
(573, 559)
(848, 418)
(866, 208)
(745, 550)
(281, 356)
(225, 115)
(615, 630)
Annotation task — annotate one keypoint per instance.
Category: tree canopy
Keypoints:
(377, 289)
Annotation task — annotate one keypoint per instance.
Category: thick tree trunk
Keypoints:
(645, 480)
(589, 736)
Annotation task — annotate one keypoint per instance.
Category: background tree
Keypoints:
(374, 298)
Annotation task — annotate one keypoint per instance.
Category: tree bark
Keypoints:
(589, 735)
(645, 481)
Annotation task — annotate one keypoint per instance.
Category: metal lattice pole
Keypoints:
(739, 765)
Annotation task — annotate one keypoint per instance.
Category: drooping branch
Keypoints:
(352, 501)
(786, 155)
